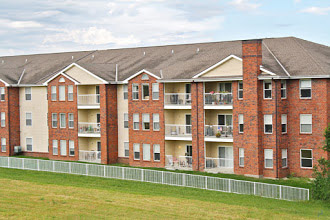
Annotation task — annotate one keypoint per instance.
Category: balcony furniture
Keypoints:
(174, 98)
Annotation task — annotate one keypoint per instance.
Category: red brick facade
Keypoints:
(146, 136)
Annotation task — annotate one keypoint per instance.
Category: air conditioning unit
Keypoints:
(17, 149)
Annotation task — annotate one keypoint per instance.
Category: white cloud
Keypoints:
(48, 13)
(297, 1)
(316, 10)
(244, 5)
(19, 24)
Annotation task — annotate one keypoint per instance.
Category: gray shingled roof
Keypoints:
(298, 57)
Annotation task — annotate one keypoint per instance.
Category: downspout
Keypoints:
(276, 132)
(197, 137)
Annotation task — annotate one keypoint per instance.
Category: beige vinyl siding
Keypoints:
(212, 148)
(122, 132)
(88, 115)
(231, 67)
(176, 148)
(88, 144)
(176, 116)
(82, 76)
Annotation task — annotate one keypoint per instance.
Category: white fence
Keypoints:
(161, 177)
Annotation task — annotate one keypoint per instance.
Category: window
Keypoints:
(63, 147)
(226, 120)
(306, 158)
(54, 120)
(241, 156)
(71, 120)
(145, 91)
(146, 152)
(62, 120)
(70, 93)
(145, 121)
(268, 158)
(125, 91)
(283, 89)
(284, 121)
(240, 90)
(189, 150)
(3, 145)
(28, 119)
(61, 91)
(225, 87)
(305, 88)
(155, 120)
(135, 91)
(126, 149)
(136, 149)
(284, 158)
(71, 148)
(136, 122)
(2, 93)
(29, 144)
(306, 123)
(28, 93)
(156, 152)
(155, 91)
(241, 123)
(3, 119)
(267, 89)
(125, 120)
(97, 92)
(268, 122)
(53, 93)
(145, 77)
(55, 147)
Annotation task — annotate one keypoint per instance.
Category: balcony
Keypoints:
(177, 101)
(89, 129)
(90, 101)
(90, 156)
(178, 132)
(216, 165)
(178, 163)
(218, 101)
(218, 133)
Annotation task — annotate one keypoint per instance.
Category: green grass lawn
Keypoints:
(31, 194)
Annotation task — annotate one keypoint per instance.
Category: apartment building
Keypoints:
(252, 107)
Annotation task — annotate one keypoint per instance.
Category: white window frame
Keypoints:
(62, 152)
(126, 123)
(135, 91)
(2, 94)
(271, 88)
(271, 116)
(70, 93)
(26, 143)
(268, 158)
(241, 155)
(61, 120)
(155, 120)
(3, 119)
(156, 151)
(126, 149)
(283, 82)
(53, 120)
(71, 146)
(136, 149)
(145, 121)
(155, 90)
(71, 121)
(26, 118)
(146, 152)
(26, 93)
(301, 158)
(53, 93)
(145, 77)
(61, 96)
(125, 91)
(284, 155)
(136, 121)
(284, 121)
(55, 146)
(3, 145)
(240, 122)
(142, 91)
(300, 88)
(302, 115)
(240, 90)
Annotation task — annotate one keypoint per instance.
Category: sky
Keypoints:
(48, 26)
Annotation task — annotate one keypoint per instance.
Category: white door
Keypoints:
(226, 156)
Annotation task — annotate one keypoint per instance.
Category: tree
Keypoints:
(321, 184)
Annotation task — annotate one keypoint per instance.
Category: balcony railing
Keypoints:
(218, 98)
(213, 163)
(180, 162)
(219, 131)
(90, 156)
(89, 128)
(177, 130)
(178, 99)
(92, 99)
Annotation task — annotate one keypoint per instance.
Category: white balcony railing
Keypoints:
(177, 130)
(218, 98)
(178, 99)
(92, 99)
(90, 156)
(215, 130)
(89, 128)
(213, 163)
(179, 162)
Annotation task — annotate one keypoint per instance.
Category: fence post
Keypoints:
(8, 162)
(183, 179)
(86, 169)
(162, 177)
(229, 185)
(23, 163)
(122, 173)
(280, 192)
(38, 165)
(104, 170)
(254, 188)
(205, 182)
(142, 175)
(307, 194)
(70, 167)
